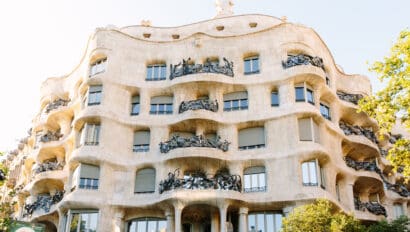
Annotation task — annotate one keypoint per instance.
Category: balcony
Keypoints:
(302, 59)
(177, 141)
(352, 98)
(372, 207)
(357, 130)
(43, 202)
(200, 104)
(222, 180)
(186, 67)
(55, 105)
(50, 136)
(47, 166)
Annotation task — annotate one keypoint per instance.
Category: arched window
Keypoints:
(145, 181)
(254, 179)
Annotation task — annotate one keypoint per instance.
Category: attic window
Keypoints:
(175, 36)
(220, 28)
(253, 24)
(146, 35)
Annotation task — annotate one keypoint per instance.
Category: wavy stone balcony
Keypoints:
(55, 105)
(46, 167)
(177, 141)
(186, 68)
(352, 98)
(372, 207)
(302, 59)
(43, 202)
(372, 167)
(221, 180)
(357, 130)
(200, 104)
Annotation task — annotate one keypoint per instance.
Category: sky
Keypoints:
(47, 38)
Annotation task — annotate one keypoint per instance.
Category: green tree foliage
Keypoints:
(399, 225)
(393, 102)
(318, 217)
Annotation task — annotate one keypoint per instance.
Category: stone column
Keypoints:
(222, 215)
(118, 221)
(178, 207)
(349, 195)
(214, 222)
(170, 221)
(243, 219)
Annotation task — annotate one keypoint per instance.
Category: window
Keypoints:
(236, 101)
(161, 105)
(156, 72)
(304, 94)
(98, 67)
(251, 138)
(254, 179)
(274, 96)
(147, 225)
(135, 105)
(308, 130)
(309, 173)
(398, 210)
(145, 181)
(141, 141)
(264, 222)
(251, 65)
(94, 95)
(82, 221)
(325, 111)
(86, 177)
(327, 81)
(90, 134)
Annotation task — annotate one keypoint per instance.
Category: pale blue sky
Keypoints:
(45, 38)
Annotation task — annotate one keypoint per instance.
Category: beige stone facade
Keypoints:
(221, 125)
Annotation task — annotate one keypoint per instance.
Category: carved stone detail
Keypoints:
(353, 98)
(357, 130)
(56, 104)
(177, 141)
(185, 68)
(302, 59)
(43, 202)
(200, 104)
(221, 180)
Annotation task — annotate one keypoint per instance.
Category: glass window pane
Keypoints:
(252, 222)
(310, 97)
(278, 222)
(132, 227)
(162, 226)
(141, 226)
(260, 220)
(153, 108)
(244, 103)
(255, 65)
(163, 72)
(235, 104)
(152, 226)
(161, 107)
(312, 172)
(74, 222)
(275, 99)
(247, 64)
(156, 73)
(254, 180)
(247, 180)
(305, 173)
(299, 94)
(262, 181)
(227, 105)
(149, 73)
(169, 107)
(135, 108)
(270, 223)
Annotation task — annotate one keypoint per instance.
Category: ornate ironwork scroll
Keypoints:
(221, 180)
(50, 136)
(373, 207)
(56, 104)
(372, 166)
(357, 130)
(187, 68)
(302, 59)
(177, 141)
(43, 202)
(353, 98)
(200, 104)
(48, 166)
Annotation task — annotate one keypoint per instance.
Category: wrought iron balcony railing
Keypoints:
(357, 130)
(302, 59)
(352, 98)
(43, 202)
(200, 104)
(177, 141)
(48, 166)
(186, 68)
(55, 105)
(50, 136)
(373, 207)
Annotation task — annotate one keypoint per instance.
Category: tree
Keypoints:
(400, 224)
(318, 217)
(392, 104)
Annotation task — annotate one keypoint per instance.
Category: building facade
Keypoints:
(222, 125)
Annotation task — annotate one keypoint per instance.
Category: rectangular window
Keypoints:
(264, 222)
(251, 65)
(310, 97)
(303, 94)
(254, 179)
(274, 98)
(82, 221)
(325, 111)
(309, 173)
(156, 72)
(141, 141)
(135, 105)
(98, 67)
(161, 105)
(300, 94)
(308, 130)
(236, 101)
(90, 134)
(94, 95)
(86, 177)
(251, 138)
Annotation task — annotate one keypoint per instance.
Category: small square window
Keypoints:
(274, 98)
(300, 94)
(156, 72)
(325, 111)
(98, 67)
(251, 65)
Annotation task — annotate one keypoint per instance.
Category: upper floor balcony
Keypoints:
(42, 203)
(358, 130)
(178, 141)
